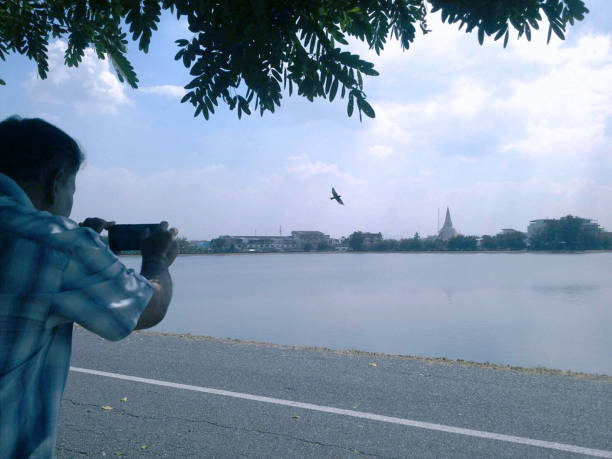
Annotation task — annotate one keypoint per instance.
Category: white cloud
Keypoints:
(166, 90)
(393, 122)
(565, 109)
(467, 97)
(303, 167)
(380, 151)
(559, 108)
(591, 49)
(412, 126)
(92, 86)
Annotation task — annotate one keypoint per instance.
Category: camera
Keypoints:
(129, 237)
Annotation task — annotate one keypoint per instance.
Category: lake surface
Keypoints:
(552, 310)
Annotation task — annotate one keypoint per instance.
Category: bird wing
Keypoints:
(334, 193)
(339, 200)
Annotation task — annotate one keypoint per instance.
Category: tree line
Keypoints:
(566, 233)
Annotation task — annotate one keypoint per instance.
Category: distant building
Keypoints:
(299, 240)
(370, 239)
(447, 231)
(591, 225)
(264, 243)
(310, 239)
(509, 231)
(535, 226)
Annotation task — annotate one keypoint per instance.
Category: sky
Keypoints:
(500, 136)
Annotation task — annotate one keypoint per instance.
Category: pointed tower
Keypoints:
(447, 231)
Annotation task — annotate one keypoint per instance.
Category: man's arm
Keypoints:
(158, 252)
(156, 271)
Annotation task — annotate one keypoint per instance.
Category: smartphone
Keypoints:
(129, 237)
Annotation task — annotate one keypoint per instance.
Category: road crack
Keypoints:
(229, 427)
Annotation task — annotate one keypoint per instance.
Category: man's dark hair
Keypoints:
(33, 150)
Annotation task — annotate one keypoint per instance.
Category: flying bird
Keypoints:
(336, 196)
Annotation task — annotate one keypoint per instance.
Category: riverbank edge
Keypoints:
(317, 252)
(430, 360)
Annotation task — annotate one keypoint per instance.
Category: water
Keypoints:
(552, 310)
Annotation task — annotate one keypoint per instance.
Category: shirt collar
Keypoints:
(11, 189)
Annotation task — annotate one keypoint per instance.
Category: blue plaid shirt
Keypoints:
(52, 273)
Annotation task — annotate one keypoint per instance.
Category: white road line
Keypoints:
(359, 414)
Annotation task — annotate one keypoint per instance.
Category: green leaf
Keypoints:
(245, 107)
(192, 84)
(481, 33)
(328, 81)
(557, 30)
(349, 107)
(2, 82)
(333, 90)
(500, 33)
(366, 108)
(123, 68)
(549, 34)
(186, 97)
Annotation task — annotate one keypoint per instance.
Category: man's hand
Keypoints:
(96, 224)
(161, 244)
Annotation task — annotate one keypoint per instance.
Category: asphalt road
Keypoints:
(160, 421)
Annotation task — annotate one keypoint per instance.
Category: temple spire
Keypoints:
(447, 231)
(447, 221)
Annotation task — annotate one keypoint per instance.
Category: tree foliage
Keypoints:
(570, 233)
(222, 244)
(461, 242)
(513, 240)
(355, 241)
(246, 53)
(184, 245)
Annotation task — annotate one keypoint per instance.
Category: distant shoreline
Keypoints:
(407, 252)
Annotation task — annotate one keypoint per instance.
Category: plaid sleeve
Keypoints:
(98, 291)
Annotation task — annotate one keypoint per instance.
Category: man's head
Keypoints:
(43, 160)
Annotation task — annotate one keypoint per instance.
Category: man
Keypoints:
(54, 272)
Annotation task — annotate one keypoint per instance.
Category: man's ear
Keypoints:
(53, 184)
